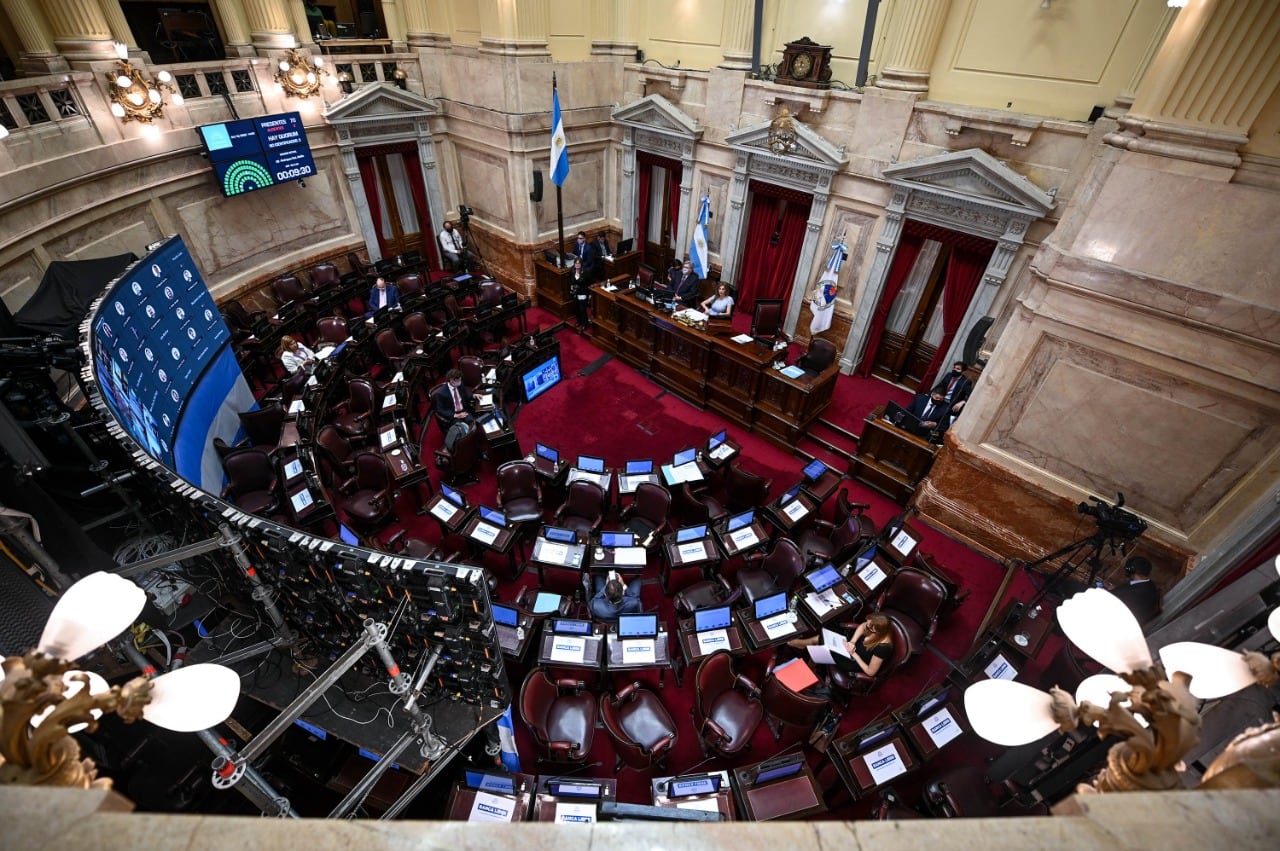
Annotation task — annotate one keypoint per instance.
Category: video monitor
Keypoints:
(684, 456)
(497, 783)
(544, 451)
(624, 246)
(871, 738)
(347, 536)
(546, 603)
(705, 619)
(933, 701)
(254, 153)
(505, 615)
(570, 627)
(495, 517)
(453, 496)
(559, 535)
(637, 626)
(691, 533)
(574, 789)
(617, 539)
(716, 439)
(814, 470)
(787, 767)
(823, 578)
(590, 464)
(864, 558)
(738, 521)
(771, 605)
(639, 468)
(684, 787)
(541, 378)
(789, 495)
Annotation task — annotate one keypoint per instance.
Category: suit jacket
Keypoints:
(684, 288)
(939, 414)
(442, 401)
(393, 296)
(590, 257)
(1142, 598)
(963, 388)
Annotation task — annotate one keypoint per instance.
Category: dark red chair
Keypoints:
(823, 542)
(727, 708)
(394, 351)
(744, 489)
(331, 330)
(324, 276)
(519, 493)
(263, 425)
(337, 452)
(960, 792)
(821, 354)
(772, 573)
(472, 369)
(356, 417)
(288, 288)
(845, 683)
(460, 464)
(359, 265)
(583, 509)
(372, 497)
(648, 513)
(411, 286)
(783, 707)
(641, 728)
(766, 317)
(560, 714)
(251, 481)
(706, 594)
(916, 599)
(418, 328)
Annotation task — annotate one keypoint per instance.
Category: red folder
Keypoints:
(795, 675)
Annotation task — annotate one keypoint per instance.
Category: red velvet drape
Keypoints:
(964, 272)
(369, 177)
(413, 167)
(757, 257)
(644, 176)
(909, 245)
(769, 267)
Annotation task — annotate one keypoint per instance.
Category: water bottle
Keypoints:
(1034, 613)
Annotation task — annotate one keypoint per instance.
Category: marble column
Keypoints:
(234, 27)
(80, 30)
(735, 34)
(425, 24)
(1211, 79)
(735, 222)
(630, 203)
(393, 14)
(613, 28)
(301, 26)
(808, 253)
(120, 30)
(886, 246)
(1124, 100)
(508, 28)
(38, 55)
(911, 41)
(269, 25)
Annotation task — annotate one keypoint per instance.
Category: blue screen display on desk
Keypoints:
(684, 457)
(491, 782)
(814, 470)
(639, 468)
(771, 605)
(823, 578)
(705, 619)
(690, 533)
(541, 378)
(559, 535)
(717, 439)
(787, 769)
(255, 153)
(495, 517)
(637, 626)
(505, 615)
(617, 539)
(452, 495)
(568, 789)
(547, 452)
(789, 495)
(568, 627)
(683, 788)
(590, 464)
(737, 521)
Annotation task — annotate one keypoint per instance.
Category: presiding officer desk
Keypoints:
(709, 369)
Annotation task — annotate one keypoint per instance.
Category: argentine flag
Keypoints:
(823, 303)
(698, 254)
(507, 737)
(559, 148)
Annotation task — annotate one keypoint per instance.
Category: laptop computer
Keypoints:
(814, 470)
(716, 618)
(507, 619)
(740, 521)
(778, 769)
(617, 539)
(638, 626)
(493, 516)
(771, 605)
(482, 781)
(823, 578)
(684, 787)
(691, 533)
(591, 469)
(590, 463)
(558, 546)
(565, 626)
(904, 419)
(718, 445)
(636, 473)
(560, 535)
(545, 459)
(624, 246)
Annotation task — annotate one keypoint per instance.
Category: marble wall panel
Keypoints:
(19, 279)
(130, 229)
(486, 185)
(582, 195)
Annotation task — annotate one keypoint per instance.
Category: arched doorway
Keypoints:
(776, 219)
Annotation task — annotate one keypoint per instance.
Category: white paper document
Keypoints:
(389, 401)
(485, 400)
(724, 450)
(485, 532)
(1000, 669)
(630, 556)
(884, 764)
(903, 543)
(568, 648)
(795, 509)
(713, 640)
(941, 727)
(695, 551)
(567, 813)
(741, 338)
(312, 381)
(301, 500)
(778, 625)
(492, 426)
(296, 406)
(639, 651)
(684, 473)
(710, 805)
(293, 469)
(491, 376)
(444, 510)
(488, 807)
(552, 553)
(398, 377)
(832, 645)
(821, 603)
(744, 537)
(871, 575)
(388, 437)
(324, 352)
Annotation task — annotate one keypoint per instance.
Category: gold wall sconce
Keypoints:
(299, 75)
(134, 96)
(346, 82)
(401, 79)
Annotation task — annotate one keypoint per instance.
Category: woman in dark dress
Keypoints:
(580, 292)
(870, 646)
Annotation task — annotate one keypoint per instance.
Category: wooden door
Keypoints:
(908, 344)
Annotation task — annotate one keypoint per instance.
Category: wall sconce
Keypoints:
(300, 76)
(133, 96)
(344, 80)
(43, 699)
(401, 79)
(1155, 713)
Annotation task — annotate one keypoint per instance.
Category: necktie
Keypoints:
(952, 386)
(457, 400)
(928, 409)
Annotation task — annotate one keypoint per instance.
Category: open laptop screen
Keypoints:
(738, 521)
(590, 463)
(639, 468)
(814, 470)
(875, 737)
(505, 615)
(637, 626)
(823, 578)
(547, 452)
(452, 495)
(570, 627)
(771, 605)
(788, 768)
(559, 535)
(684, 456)
(617, 539)
(690, 533)
(717, 439)
(486, 782)
(683, 787)
(574, 789)
(347, 536)
(493, 516)
(789, 495)
(705, 619)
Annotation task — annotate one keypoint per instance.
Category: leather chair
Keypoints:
(648, 512)
(472, 369)
(324, 276)
(957, 592)
(394, 351)
(766, 317)
(337, 452)
(331, 330)
(772, 573)
(726, 708)
(642, 730)
(356, 417)
(291, 388)
(288, 288)
(692, 508)
(915, 598)
(782, 706)
(411, 286)
(418, 328)
(251, 481)
(706, 594)
(263, 426)
(960, 792)
(358, 264)
(583, 509)
(519, 494)
(845, 508)
(372, 497)
(822, 542)
(560, 714)
(446, 311)
(241, 320)
(821, 354)
(459, 466)
(744, 489)
(844, 683)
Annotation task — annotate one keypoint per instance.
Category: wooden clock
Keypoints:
(805, 63)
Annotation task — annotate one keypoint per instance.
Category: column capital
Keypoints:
(735, 34)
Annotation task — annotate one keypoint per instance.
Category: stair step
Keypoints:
(837, 440)
(830, 447)
(841, 430)
(819, 449)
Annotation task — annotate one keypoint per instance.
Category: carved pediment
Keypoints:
(972, 175)
(657, 113)
(807, 144)
(380, 100)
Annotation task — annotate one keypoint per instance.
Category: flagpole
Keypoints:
(559, 208)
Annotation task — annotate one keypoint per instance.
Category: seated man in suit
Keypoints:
(683, 285)
(614, 597)
(1140, 594)
(451, 401)
(955, 387)
(382, 296)
(931, 409)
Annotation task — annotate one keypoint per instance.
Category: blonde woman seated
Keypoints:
(869, 648)
(295, 356)
(721, 303)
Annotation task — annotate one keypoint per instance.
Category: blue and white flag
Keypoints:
(507, 741)
(698, 254)
(823, 303)
(559, 147)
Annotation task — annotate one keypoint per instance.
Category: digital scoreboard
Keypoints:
(258, 152)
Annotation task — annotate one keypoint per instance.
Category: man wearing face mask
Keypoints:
(586, 252)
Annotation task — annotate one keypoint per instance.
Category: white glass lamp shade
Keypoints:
(319, 61)
(1214, 671)
(4, 131)
(194, 698)
(164, 76)
(1177, 4)
(124, 81)
(97, 685)
(1009, 713)
(1104, 628)
(117, 110)
(89, 614)
(1273, 623)
(122, 50)
(1277, 564)
(1098, 688)
(284, 66)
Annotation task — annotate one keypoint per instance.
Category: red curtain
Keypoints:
(909, 245)
(756, 258)
(964, 272)
(644, 175)
(674, 174)
(413, 167)
(369, 177)
(775, 232)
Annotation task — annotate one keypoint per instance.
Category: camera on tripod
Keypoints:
(1113, 519)
(465, 213)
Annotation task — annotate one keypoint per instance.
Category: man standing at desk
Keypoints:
(1140, 594)
(683, 284)
(614, 597)
(587, 253)
(382, 296)
(452, 401)
(452, 250)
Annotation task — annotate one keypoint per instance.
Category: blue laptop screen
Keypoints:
(690, 533)
(561, 536)
(491, 782)
(347, 536)
(823, 578)
(546, 603)
(591, 464)
(864, 558)
(789, 495)
(547, 452)
(637, 626)
(684, 457)
(787, 769)
(684, 787)
(505, 615)
(717, 618)
(495, 517)
(716, 439)
(814, 470)
(452, 495)
(737, 521)
(771, 605)
(876, 737)
(617, 539)
(566, 627)
(566, 789)
(639, 468)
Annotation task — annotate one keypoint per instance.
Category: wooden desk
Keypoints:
(451, 516)
(462, 799)
(691, 651)
(942, 723)
(848, 605)
(795, 797)
(661, 656)
(336, 46)
(785, 522)
(827, 484)
(622, 266)
(604, 559)
(552, 288)
(730, 548)
(722, 800)
(544, 805)
(1028, 634)
(851, 760)
(593, 651)
(786, 407)
(889, 459)
(758, 639)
